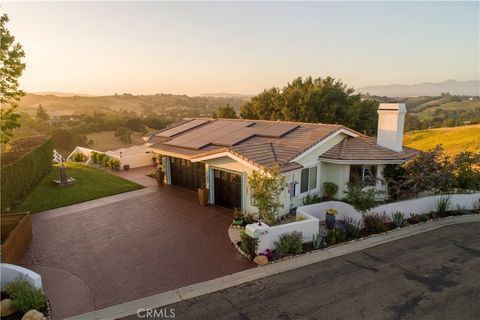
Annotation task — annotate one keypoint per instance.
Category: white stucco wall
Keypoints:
(10, 272)
(268, 235)
(407, 207)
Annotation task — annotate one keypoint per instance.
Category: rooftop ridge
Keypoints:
(271, 121)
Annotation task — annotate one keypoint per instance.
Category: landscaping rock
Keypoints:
(33, 315)
(261, 260)
(6, 307)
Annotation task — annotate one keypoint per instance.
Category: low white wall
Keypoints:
(10, 272)
(136, 160)
(85, 151)
(269, 234)
(407, 207)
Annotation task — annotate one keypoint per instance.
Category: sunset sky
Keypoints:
(143, 48)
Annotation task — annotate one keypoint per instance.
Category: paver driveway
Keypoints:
(130, 249)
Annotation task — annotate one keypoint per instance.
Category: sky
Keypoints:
(102, 48)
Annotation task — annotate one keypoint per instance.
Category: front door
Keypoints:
(227, 188)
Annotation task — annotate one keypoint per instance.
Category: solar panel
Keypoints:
(207, 134)
(235, 137)
(182, 128)
(277, 130)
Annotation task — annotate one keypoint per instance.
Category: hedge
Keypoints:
(18, 177)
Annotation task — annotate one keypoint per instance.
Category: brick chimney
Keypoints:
(391, 119)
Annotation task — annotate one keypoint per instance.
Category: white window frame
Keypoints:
(309, 191)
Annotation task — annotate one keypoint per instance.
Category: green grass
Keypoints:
(453, 140)
(91, 183)
(455, 105)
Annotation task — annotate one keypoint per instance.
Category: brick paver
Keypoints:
(131, 249)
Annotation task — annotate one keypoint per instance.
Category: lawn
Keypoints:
(91, 183)
(453, 140)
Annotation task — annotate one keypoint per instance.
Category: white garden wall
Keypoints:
(267, 235)
(407, 207)
(10, 272)
(135, 156)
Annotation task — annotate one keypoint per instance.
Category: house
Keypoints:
(220, 154)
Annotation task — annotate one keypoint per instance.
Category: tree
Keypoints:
(226, 112)
(41, 113)
(11, 68)
(124, 133)
(265, 188)
(324, 100)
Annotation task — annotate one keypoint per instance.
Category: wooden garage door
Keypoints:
(186, 174)
(228, 187)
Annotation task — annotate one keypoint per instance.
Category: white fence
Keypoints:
(407, 207)
(139, 159)
(268, 235)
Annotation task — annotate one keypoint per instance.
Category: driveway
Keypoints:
(433, 275)
(117, 252)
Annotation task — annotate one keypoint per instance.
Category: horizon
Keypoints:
(240, 48)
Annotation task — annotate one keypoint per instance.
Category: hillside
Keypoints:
(453, 140)
(158, 103)
(462, 88)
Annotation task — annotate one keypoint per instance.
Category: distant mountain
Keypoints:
(226, 95)
(61, 94)
(463, 88)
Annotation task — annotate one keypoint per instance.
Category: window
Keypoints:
(308, 179)
(364, 174)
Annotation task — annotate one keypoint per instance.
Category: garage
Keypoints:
(227, 188)
(186, 174)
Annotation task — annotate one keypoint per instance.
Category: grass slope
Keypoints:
(106, 140)
(453, 140)
(91, 183)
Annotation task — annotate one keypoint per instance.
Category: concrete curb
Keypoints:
(202, 288)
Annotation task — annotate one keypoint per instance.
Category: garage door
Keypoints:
(187, 174)
(227, 189)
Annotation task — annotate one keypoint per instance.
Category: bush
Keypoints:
(359, 199)
(318, 240)
(311, 199)
(398, 219)
(248, 244)
(289, 243)
(375, 223)
(336, 235)
(25, 297)
(354, 227)
(94, 157)
(19, 176)
(79, 157)
(442, 205)
(113, 163)
(329, 189)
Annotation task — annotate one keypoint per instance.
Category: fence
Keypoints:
(16, 235)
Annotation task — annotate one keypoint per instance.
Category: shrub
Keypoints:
(102, 159)
(467, 170)
(299, 218)
(113, 164)
(318, 240)
(336, 236)
(311, 199)
(249, 218)
(94, 157)
(375, 223)
(361, 200)
(442, 205)
(248, 245)
(25, 297)
(19, 176)
(79, 157)
(354, 226)
(398, 219)
(329, 189)
(289, 243)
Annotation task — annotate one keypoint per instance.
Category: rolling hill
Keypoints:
(453, 140)
(462, 88)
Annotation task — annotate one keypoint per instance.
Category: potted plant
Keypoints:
(237, 217)
(203, 195)
(330, 218)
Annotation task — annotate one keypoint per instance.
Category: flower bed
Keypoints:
(20, 299)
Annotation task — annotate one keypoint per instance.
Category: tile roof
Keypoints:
(293, 139)
(365, 148)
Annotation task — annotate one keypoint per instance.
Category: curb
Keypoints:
(202, 288)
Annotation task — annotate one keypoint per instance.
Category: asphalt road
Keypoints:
(435, 275)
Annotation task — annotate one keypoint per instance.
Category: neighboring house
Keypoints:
(220, 154)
